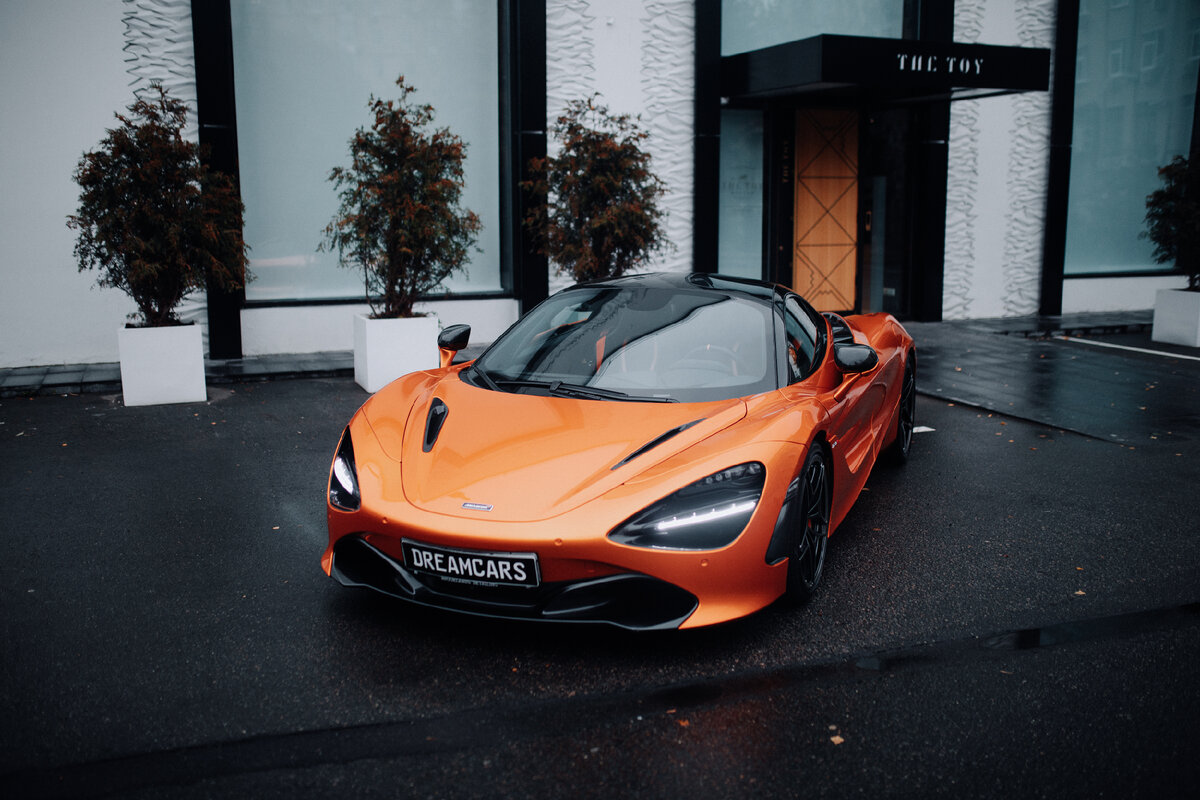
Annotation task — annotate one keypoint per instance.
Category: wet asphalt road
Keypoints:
(1013, 613)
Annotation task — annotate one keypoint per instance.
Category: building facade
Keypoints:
(940, 159)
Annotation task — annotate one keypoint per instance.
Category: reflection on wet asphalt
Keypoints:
(1109, 394)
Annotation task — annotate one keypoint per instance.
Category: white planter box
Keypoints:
(162, 365)
(385, 349)
(1177, 317)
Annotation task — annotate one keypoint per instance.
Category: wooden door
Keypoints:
(825, 239)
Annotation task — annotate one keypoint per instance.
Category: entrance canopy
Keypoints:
(902, 70)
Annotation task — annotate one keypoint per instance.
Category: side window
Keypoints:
(801, 340)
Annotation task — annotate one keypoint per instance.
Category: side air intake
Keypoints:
(438, 411)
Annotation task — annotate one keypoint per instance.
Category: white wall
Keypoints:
(62, 75)
(640, 56)
(998, 170)
(1116, 294)
(316, 329)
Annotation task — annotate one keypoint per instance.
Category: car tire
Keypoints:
(810, 536)
(907, 416)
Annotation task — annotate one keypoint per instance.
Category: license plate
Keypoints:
(472, 566)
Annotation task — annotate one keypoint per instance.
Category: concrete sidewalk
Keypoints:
(1108, 381)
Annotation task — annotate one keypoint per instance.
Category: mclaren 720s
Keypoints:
(651, 452)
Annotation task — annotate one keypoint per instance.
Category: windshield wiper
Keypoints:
(560, 389)
(485, 379)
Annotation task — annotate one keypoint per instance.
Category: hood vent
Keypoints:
(438, 411)
(653, 443)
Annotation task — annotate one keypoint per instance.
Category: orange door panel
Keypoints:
(825, 238)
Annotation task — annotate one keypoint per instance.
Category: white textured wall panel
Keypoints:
(962, 183)
(158, 49)
(997, 178)
(640, 57)
(668, 85)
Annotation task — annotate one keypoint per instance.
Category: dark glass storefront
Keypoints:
(853, 157)
(821, 153)
(274, 49)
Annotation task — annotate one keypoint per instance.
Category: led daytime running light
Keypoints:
(709, 516)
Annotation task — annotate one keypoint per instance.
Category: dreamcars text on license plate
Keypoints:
(472, 566)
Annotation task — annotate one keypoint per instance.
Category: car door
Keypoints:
(854, 407)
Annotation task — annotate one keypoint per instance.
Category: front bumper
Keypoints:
(626, 600)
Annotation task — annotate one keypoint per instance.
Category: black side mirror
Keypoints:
(855, 357)
(451, 340)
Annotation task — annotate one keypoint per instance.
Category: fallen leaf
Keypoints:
(683, 723)
(1080, 593)
(836, 739)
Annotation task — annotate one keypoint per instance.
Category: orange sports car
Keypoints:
(650, 452)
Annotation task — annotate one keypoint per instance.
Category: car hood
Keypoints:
(518, 457)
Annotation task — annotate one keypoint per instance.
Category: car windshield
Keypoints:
(636, 343)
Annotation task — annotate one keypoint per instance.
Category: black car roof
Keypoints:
(761, 290)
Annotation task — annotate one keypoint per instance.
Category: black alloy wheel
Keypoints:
(806, 560)
(908, 414)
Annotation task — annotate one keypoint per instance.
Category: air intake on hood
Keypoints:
(653, 443)
(438, 411)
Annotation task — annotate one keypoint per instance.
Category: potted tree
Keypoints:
(399, 221)
(1173, 225)
(157, 224)
(598, 216)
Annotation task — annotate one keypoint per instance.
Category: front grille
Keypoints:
(629, 600)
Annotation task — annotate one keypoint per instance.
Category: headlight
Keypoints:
(704, 515)
(343, 478)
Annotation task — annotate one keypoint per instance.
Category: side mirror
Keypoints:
(855, 357)
(451, 340)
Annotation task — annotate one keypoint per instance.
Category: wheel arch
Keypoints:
(777, 547)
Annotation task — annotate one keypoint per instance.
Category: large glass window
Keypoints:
(753, 24)
(1135, 91)
(740, 219)
(303, 71)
